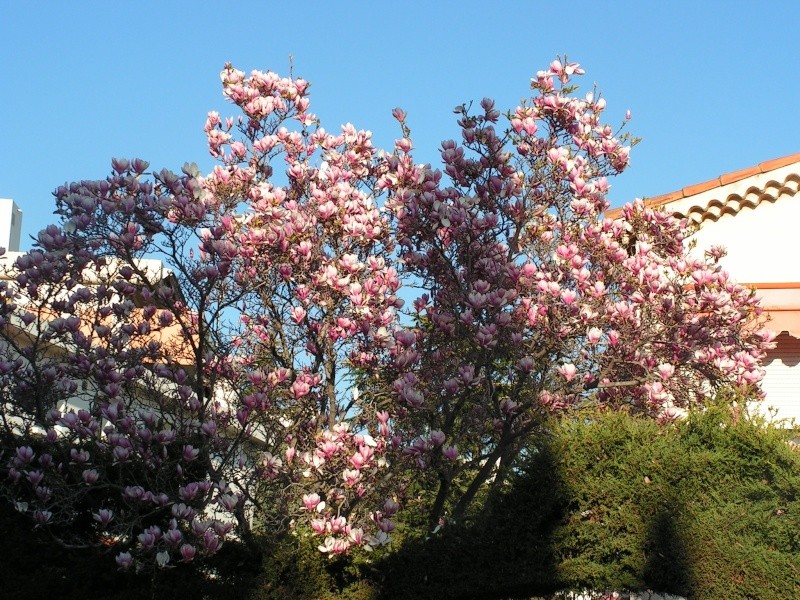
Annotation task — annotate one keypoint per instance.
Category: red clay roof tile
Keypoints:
(738, 175)
(699, 188)
(724, 179)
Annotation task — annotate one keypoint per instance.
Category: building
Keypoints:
(16, 331)
(10, 225)
(754, 214)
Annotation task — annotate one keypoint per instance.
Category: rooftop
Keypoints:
(730, 200)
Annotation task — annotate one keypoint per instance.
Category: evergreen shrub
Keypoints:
(706, 508)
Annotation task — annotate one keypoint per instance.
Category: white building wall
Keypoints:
(756, 219)
(10, 225)
(759, 241)
(782, 383)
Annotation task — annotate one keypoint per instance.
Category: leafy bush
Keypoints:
(706, 508)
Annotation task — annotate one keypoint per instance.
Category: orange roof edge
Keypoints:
(724, 179)
(774, 285)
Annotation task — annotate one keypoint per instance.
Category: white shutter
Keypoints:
(782, 379)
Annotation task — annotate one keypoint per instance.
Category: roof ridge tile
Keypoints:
(722, 180)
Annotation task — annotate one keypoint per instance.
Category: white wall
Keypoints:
(10, 224)
(756, 219)
(761, 241)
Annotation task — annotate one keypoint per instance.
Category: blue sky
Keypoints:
(712, 86)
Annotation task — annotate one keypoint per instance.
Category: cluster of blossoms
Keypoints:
(537, 303)
(113, 443)
(343, 466)
(260, 369)
(166, 404)
(316, 255)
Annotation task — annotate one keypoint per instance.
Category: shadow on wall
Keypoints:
(787, 351)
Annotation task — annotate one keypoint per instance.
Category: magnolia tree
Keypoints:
(535, 303)
(266, 373)
(158, 411)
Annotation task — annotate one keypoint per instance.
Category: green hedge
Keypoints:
(708, 508)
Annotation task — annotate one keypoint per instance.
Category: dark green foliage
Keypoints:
(706, 508)
(295, 570)
(503, 552)
(32, 567)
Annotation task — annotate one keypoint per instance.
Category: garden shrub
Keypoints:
(706, 508)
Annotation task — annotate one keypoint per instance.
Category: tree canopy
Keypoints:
(184, 355)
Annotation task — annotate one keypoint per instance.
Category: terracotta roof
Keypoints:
(734, 202)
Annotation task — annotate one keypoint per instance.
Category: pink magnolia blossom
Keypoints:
(567, 371)
(228, 372)
(311, 501)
